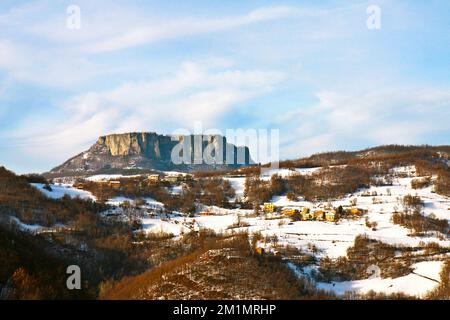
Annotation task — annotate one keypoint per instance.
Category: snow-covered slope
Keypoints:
(59, 190)
(424, 279)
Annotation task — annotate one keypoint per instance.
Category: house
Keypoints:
(319, 215)
(78, 185)
(153, 177)
(269, 207)
(171, 179)
(306, 215)
(331, 216)
(259, 250)
(289, 211)
(356, 211)
(115, 184)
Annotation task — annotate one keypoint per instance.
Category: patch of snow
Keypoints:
(170, 226)
(238, 184)
(59, 190)
(107, 177)
(174, 173)
(176, 189)
(416, 284)
(149, 202)
(26, 227)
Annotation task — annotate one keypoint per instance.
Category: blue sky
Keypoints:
(312, 69)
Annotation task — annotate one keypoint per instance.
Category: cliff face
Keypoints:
(148, 151)
(146, 144)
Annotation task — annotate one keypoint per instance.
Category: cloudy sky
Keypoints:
(311, 69)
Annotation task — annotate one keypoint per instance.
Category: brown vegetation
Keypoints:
(420, 224)
(364, 253)
(224, 267)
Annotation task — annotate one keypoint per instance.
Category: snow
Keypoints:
(158, 225)
(174, 173)
(59, 190)
(117, 201)
(149, 202)
(415, 284)
(34, 228)
(430, 269)
(282, 201)
(238, 184)
(176, 189)
(107, 177)
(307, 171)
(217, 223)
(267, 173)
(26, 227)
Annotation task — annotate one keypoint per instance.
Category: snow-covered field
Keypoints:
(424, 279)
(149, 202)
(59, 190)
(238, 184)
(107, 177)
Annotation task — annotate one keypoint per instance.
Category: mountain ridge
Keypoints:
(149, 151)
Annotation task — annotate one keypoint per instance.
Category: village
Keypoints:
(319, 213)
(177, 181)
(116, 181)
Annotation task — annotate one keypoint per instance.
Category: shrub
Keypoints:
(420, 183)
(420, 223)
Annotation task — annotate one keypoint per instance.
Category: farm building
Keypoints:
(153, 177)
(306, 214)
(259, 250)
(319, 215)
(269, 207)
(114, 183)
(79, 185)
(331, 216)
(356, 211)
(171, 179)
(289, 211)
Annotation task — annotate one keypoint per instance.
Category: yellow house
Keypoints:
(115, 184)
(269, 207)
(259, 250)
(306, 215)
(331, 216)
(319, 215)
(289, 211)
(357, 211)
(171, 179)
(153, 177)
(78, 185)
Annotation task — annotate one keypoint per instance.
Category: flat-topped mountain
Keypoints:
(152, 151)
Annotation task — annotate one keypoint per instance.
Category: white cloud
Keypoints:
(10, 55)
(60, 57)
(163, 30)
(340, 120)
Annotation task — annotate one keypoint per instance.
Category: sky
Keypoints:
(313, 70)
